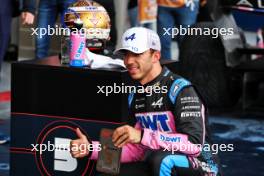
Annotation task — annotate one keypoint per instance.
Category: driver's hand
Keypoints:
(79, 147)
(126, 134)
(27, 18)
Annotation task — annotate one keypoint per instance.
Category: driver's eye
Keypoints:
(136, 55)
(132, 55)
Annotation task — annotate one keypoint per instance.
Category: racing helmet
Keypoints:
(96, 22)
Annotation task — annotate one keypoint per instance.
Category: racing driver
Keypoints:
(167, 130)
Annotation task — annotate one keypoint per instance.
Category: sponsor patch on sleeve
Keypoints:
(176, 88)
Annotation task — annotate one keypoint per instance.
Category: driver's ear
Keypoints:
(156, 56)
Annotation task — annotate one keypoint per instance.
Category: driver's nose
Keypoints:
(129, 59)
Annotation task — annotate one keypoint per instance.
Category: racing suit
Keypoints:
(173, 122)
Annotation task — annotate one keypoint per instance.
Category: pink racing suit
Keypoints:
(171, 121)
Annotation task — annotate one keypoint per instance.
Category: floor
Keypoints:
(246, 133)
(4, 119)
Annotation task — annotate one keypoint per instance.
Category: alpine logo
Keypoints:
(251, 3)
(131, 37)
(158, 103)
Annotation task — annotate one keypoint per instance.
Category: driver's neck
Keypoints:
(155, 72)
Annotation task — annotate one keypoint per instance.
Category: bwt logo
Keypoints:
(154, 121)
(80, 50)
(170, 139)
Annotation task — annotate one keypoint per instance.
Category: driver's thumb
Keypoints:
(79, 133)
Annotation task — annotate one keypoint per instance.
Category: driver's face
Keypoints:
(139, 65)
